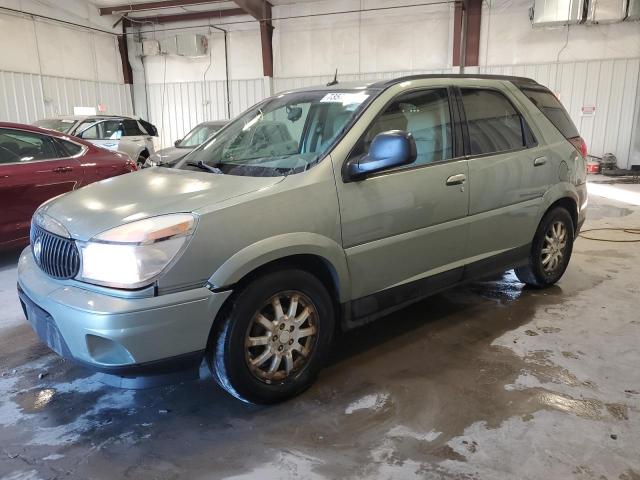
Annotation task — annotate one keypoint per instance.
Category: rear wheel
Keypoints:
(550, 251)
(273, 339)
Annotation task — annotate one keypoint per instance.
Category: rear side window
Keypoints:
(68, 149)
(494, 124)
(551, 107)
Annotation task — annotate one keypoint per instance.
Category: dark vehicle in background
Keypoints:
(168, 157)
(38, 164)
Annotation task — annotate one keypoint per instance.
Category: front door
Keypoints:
(405, 226)
(31, 173)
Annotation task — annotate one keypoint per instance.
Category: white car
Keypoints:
(129, 135)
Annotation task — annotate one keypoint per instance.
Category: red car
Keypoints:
(37, 164)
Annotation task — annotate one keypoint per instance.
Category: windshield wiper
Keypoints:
(203, 166)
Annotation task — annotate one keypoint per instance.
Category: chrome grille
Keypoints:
(58, 257)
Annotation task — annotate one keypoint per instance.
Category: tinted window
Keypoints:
(20, 146)
(131, 128)
(68, 149)
(424, 114)
(494, 124)
(553, 110)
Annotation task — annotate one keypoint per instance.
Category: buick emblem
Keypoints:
(37, 249)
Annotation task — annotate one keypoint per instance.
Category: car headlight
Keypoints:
(134, 254)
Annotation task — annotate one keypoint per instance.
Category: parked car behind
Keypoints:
(168, 157)
(129, 135)
(250, 255)
(38, 164)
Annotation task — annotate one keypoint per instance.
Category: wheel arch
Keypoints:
(314, 253)
(562, 196)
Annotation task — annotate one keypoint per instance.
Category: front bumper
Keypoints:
(113, 334)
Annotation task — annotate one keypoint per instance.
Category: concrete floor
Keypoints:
(486, 381)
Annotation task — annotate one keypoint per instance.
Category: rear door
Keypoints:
(135, 133)
(508, 172)
(32, 170)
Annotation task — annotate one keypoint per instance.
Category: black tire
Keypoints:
(228, 358)
(142, 159)
(534, 273)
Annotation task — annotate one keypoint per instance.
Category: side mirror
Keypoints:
(388, 150)
(177, 142)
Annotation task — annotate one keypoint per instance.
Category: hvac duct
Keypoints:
(558, 12)
(606, 11)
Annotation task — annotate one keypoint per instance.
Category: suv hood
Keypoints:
(154, 191)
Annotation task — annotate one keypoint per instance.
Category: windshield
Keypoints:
(283, 135)
(60, 125)
(198, 135)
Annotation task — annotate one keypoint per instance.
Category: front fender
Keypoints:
(282, 246)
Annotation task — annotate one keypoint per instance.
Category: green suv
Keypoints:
(314, 210)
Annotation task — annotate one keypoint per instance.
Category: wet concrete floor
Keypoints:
(490, 380)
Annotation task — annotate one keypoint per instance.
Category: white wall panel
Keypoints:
(291, 83)
(609, 85)
(175, 108)
(27, 97)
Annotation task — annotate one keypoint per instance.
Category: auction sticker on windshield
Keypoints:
(345, 98)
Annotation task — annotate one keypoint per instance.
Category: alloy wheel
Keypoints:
(281, 337)
(554, 247)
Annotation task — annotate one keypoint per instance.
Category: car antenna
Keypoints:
(334, 81)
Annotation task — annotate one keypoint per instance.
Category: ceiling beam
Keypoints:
(144, 7)
(181, 17)
(258, 9)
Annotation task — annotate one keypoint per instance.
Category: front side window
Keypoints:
(494, 124)
(104, 130)
(19, 146)
(283, 135)
(426, 115)
(90, 132)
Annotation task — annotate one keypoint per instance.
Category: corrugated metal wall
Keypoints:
(27, 97)
(175, 108)
(611, 86)
(290, 83)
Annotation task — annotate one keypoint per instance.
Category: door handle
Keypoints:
(458, 179)
(62, 169)
(539, 161)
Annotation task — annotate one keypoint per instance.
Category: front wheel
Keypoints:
(550, 250)
(273, 338)
(142, 159)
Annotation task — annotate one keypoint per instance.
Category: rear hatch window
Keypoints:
(551, 107)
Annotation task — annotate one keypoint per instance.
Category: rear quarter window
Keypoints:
(551, 107)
